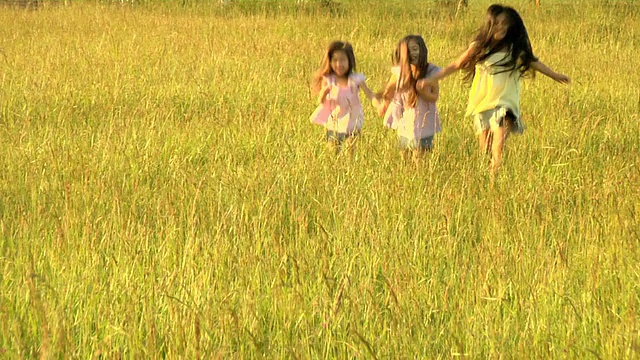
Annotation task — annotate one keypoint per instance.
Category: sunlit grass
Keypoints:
(164, 194)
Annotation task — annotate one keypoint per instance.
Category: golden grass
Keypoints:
(164, 195)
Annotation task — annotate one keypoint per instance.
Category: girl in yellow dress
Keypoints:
(496, 60)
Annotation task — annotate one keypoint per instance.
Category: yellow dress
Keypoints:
(494, 88)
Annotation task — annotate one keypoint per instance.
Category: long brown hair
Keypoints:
(407, 79)
(516, 42)
(325, 65)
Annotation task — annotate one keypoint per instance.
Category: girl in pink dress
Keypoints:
(340, 110)
(408, 108)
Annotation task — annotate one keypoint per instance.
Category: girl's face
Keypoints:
(501, 28)
(414, 52)
(339, 63)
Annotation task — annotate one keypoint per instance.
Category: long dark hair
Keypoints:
(515, 41)
(407, 79)
(325, 65)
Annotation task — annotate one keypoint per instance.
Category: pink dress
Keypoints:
(419, 122)
(342, 110)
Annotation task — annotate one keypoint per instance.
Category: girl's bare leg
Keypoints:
(500, 136)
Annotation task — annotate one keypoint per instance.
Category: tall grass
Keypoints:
(163, 193)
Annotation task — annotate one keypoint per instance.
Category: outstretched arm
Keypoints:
(367, 91)
(547, 71)
(386, 96)
(447, 70)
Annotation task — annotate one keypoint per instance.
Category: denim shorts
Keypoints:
(415, 144)
(494, 119)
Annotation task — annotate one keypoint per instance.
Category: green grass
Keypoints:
(163, 193)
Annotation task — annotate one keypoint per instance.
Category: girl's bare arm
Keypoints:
(547, 71)
(390, 89)
(387, 94)
(367, 91)
(324, 91)
(447, 70)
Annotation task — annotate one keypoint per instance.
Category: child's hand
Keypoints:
(561, 78)
(376, 103)
(381, 106)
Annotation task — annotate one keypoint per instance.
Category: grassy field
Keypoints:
(163, 194)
